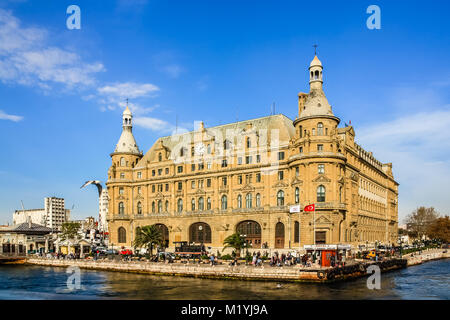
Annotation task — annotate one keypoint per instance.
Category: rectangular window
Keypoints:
(280, 175)
(122, 175)
(153, 188)
(208, 165)
(121, 190)
(297, 171)
(201, 166)
(280, 155)
(239, 179)
(200, 184)
(208, 183)
(193, 167)
(167, 187)
(301, 149)
(180, 186)
(153, 173)
(239, 160)
(321, 168)
(320, 147)
(258, 177)
(192, 184)
(258, 158)
(159, 172)
(160, 188)
(248, 159)
(139, 190)
(139, 175)
(180, 169)
(167, 170)
(224, 181)
(224, 163)
(248, 178)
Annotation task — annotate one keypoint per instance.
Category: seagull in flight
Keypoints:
(97, 183)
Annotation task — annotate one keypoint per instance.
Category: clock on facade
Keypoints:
(200, 148)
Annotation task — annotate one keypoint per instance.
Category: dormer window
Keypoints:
(160, 157)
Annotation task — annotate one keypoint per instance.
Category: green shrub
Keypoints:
(226, 257)
(204, 257)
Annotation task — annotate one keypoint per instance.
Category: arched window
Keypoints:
(122, 235)
(296, 232)
(192, 204)
(159, 206)
(312, 74)
(167, 206)
(200, 232)
(249, 143)
(251, 231)
(224, 202)
(316, 75)
(153, 207)
(248, 200)
(320, 129)
(180, 205)
(139, 207)
(160, 157)
(320, 193)
(226, 144)
(301, 131)
(208, 149)
(297, 195)
(239, 201)
(208, 204)
(201, 204)
(258, 200)
(122, 162)
(121, 208)
(279, 235)
(280, 198)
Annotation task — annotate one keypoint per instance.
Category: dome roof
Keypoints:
(316, 104)
(315, 62)
(127, 143)
(127, 112)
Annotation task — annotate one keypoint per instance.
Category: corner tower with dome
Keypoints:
(204, 185)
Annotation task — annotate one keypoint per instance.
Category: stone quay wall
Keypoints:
(426, 255)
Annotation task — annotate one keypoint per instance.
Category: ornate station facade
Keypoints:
(252, 177)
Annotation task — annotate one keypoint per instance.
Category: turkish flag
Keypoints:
(310, 208)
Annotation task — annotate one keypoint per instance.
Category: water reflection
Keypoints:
(427, 281)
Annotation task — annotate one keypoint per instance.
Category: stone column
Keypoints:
(81, 251)
(46, 245)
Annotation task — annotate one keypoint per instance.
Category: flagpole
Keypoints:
(314, 218)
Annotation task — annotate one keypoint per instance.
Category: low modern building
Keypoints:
(25, 238)
(254, 177)
(37, 216)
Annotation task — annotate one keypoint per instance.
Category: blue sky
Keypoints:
(62, 91)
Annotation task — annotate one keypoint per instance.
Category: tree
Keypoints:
(440, 229)
(418, 221)
(235, 241)
(148, 236)
(69, 230)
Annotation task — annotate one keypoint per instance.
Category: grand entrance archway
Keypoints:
(200, 232)
(279, 235)
(251, 231)
(164, 232)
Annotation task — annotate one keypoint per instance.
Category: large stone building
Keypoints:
(251, 177)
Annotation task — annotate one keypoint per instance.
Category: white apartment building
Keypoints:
(37, 216)
(103, 210)
(52, 216)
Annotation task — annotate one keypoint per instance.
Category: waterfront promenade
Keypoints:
(245, 272)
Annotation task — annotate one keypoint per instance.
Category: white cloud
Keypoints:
(172, 70)
(152, 124)
(5, 116)
(26, 58)
(418, 145)
(129, 90)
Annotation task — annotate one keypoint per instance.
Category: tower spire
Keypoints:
(315, 49)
